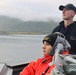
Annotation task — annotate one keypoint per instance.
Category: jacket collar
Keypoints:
(47, 58)
(62, 23)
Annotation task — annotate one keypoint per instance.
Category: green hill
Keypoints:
(13, 25)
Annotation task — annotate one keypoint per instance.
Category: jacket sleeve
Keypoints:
(30, 69)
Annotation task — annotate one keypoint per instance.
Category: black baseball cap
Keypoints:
(68, 6)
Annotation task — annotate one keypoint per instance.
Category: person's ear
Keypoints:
(73, 13)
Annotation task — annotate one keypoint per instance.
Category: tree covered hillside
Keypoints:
(13, 25)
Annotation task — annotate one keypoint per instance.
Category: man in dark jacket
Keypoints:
(68, 26)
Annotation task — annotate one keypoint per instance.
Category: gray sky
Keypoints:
(32, 9)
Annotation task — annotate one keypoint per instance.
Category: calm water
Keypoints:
(20, 49)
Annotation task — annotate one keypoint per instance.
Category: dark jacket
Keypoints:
(70, 34)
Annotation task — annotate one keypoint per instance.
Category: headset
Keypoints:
(65, 64)
(60, 44)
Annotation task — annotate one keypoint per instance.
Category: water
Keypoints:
(20, 49)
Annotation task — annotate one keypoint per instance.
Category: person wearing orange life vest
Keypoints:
(40, 66)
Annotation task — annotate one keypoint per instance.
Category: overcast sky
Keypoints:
(32, 9)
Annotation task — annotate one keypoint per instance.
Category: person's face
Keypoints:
(46, 48)
(67, 14)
